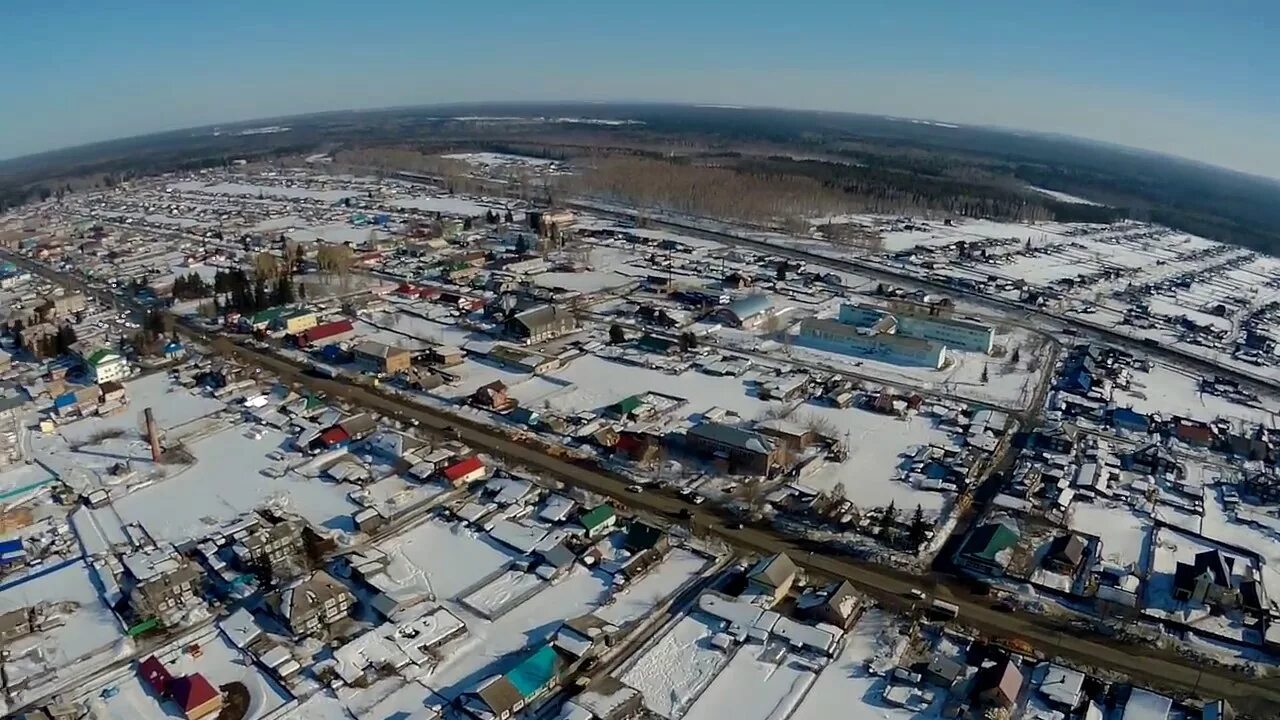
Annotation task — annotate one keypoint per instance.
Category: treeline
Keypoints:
(236, 290)
(769, 190)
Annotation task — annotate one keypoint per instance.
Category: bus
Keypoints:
(944, 610)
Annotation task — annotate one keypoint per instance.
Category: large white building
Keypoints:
(103, 365)
(910, 335)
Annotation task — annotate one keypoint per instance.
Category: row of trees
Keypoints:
(191, 287)
(236, 290)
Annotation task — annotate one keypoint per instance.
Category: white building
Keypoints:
(835, 336)
(105, 365)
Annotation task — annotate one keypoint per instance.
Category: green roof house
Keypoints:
(626, 407)
(598, 521)
(986, 551)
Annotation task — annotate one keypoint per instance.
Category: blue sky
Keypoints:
(1190, 78)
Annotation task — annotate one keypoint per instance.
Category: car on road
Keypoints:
(635, 488)
(698, 499)
(735, 525)
(918, 594)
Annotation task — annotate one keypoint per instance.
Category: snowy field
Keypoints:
(635, 601)
(761, 682)
(224, 483)
(503, 593)
(491, 648)
(493, 160)
(584, 282)
(443, 560)
(674, 671)
(1064, 197)
(220, 662)
(845, 688)
(1123, 532)
(91, 630)
(1170, 391)
(173, 405)
(450, 204)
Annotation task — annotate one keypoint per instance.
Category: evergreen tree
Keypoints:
(617, 335)
(918, 528)
(64, 339)
(510, 218)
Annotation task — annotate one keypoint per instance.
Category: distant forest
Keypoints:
(756, 164)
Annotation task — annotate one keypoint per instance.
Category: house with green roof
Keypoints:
(105, 365)
(533, 679)
(598, 521)
(626, 407)
(987, 549)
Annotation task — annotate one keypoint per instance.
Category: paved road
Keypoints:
(888, 585)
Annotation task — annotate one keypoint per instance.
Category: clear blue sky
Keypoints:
(1190, 78)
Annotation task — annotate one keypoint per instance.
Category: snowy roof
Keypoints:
(523, 538)
(241, 628)
(1062, 686)
(1146, 705)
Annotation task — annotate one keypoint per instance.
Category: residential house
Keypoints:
(445, 355)
(162, 584)
(312, 605)
(196, 696)
(541, 323)
(657, 345)
(771, 578)
(155, 675)
(1152, 459)
(14, 624)
(1059, 439)
(985, 551)
(1061, 687)
(1065, 554)
(113, 393)
(1194, 432)
(643, 537)
(56, 308)
(465, 471)
(532, 680)
(104, 365)
(1209, 580)
(1130, 420)
(173, 350)
(835, 604)
(492, 396)
(998, 685)
(942, 670)
(748, 312)
(746, 450)
(598, 521)
(381, 358)
(327, 334)
(295, 322)
(277, 548)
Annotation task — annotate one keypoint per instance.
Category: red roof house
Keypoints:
(332, 332)
(464, 471)
(155, 674)
(334, 436)
(197, 698)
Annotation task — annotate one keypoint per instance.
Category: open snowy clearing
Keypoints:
(846, 688)
(250, 190)
(1170, 391)
(761, 682)
(224, 483)
(633, 602)
(443, 560)
(674, 671)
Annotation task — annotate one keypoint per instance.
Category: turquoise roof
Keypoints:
(536, 671)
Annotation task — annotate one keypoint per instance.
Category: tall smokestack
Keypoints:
(153, 436)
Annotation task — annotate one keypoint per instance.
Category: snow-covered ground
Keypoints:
(1122, 531)
(270, 191)
(442, 559)
(1171, 391)
(503, 592)
(90, 637)
(761, 682)
(450, 204)
(675, 670)
(224, 483)
(500, 160)
(633, 602)
(220, 662)
(1064, 197)
(845, 688)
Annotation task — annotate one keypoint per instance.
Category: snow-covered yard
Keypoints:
(761, 682)
(442, 559)
(675, 670)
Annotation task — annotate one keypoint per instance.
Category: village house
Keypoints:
(380, 358)
(541, 323)
(835, 604)
(747, 451)
(1065, 554)
(748, 312)
(312, 605)
(998, 685)
(465, 471)
(162, 584)
(275, 547)
(598, 521)
(770, 579)
(985, 551)
(327, 334)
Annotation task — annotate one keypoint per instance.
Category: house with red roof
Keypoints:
(465, 471)
(197, 698)
(326, 334)
(155, 675)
